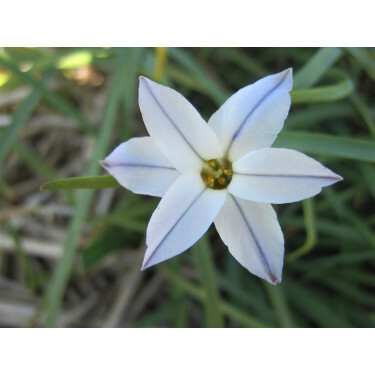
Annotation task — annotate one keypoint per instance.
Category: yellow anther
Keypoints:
(217, 173)
(221, 180)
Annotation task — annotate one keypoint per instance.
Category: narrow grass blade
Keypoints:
(184, 59)
(309, 220)
(363, 58)
(92, 182)
(19, 119)
(313, 304)
(324, 144)
(38, 165)
(60, 277)
(129, 101)
(49, 96)
(33, 161)
(242, 317)
(343, 211)
(323, 94)
(161, 59)
(307, 118)
(280, 305)
(180, 317)
(364, 111)
(244, 60)
(368, 174)
(205, 267)
(316, 67)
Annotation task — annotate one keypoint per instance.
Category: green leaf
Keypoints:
(313, 304)
(102, 245)
(38, 165)
(363, 59)
(330, 145)
(227, 308)
(61, 275)
(94, 182)
(49, 96)
(280, 304)
(306, 118)
(206, 271)
(183, 57)
(309, 220)
(244, 60)
(19, 119)
(316, 67)
(364, 111)
(129, 103)
(321, 94)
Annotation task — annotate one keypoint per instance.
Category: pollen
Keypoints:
(221, 180)
(217, 173)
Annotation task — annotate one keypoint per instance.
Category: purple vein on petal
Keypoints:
(336, 177)
(262, 255)
(107, 164)
(243, 123)
(144, 266)
(168, 117)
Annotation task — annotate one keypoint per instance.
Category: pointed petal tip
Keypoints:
(273, 279)
(143, 79)
(336, 177)
(288, 75)
(146, 264)
(287, 72)
(103, 163)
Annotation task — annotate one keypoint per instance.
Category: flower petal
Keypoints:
(251, 118)
(277, 175)
(139, 166)
(182, 217)
(176, 127)
(253, 235)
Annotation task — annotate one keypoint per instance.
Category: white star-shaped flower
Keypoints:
(223, 172)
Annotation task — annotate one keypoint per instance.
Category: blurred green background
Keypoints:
(72, 258)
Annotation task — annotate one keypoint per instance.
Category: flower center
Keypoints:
(217, 173)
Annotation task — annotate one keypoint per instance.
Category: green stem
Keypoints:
(205, 267)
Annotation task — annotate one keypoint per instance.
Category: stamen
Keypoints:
(221, 180)
(217, 173)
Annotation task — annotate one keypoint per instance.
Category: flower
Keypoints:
(223, 172)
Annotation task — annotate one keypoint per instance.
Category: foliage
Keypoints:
(74, 256)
